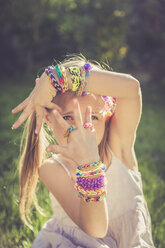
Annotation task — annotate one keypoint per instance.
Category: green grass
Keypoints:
(149, 150)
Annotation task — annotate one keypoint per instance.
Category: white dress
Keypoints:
(129, 218)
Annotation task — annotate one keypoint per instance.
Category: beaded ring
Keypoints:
(69, 130)
(89, 125)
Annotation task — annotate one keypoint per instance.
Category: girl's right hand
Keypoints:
(81, 144)
(40, 97)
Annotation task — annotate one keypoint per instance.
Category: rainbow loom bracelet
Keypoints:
(75, 77)
(95, 199)
(85, 69)
(63, 72)
(60, 77)
(91, 192)
(49, 73)
(99, 170)
(85, 166)
(83, 82)
(94, 183)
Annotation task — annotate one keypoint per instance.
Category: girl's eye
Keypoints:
(67, 117)
(94, 117)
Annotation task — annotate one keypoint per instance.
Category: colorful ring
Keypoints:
(69, 130)
(89, 125)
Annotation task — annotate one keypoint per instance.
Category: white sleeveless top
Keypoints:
(129, 217)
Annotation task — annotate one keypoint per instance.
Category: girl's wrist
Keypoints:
(47, 81)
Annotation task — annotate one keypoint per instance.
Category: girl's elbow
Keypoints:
(135, 86)
(97, 232)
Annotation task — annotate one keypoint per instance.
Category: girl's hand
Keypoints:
(40, 97)
(81, 144)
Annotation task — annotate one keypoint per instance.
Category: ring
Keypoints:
(69, 130)
(89, 125)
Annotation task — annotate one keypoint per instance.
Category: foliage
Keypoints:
(146, 39)
(42, 30)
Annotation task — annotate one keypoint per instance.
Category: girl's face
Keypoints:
(66, 103)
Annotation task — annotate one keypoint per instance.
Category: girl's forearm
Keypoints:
(93, 218)
(112, 84)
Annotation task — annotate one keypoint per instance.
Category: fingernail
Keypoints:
(55, 111)
(75, 102)
(36, 131)
(89, 108)
(48, 149)
(13, 127)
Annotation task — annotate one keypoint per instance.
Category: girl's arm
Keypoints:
(81, 149)
(127, 115)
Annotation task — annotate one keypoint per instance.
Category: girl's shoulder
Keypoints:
(50, 165)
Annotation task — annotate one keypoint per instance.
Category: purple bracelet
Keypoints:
(49, 73)
(87, 68)
(91, 183)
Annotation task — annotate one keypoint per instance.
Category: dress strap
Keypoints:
(63, 165)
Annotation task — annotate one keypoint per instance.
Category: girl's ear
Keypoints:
(47, 118)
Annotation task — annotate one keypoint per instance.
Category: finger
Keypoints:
(57, 148)
(21, 106)
(39, 118)
(27, 111)
(77, 114)
(36, 80)
(60, 120)
(88, 114)
(54, 106)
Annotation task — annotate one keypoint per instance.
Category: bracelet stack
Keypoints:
(91, 189)
(79, 76)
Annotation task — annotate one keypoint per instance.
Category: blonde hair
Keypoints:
(32, 150)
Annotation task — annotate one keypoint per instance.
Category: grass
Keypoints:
(149, 149)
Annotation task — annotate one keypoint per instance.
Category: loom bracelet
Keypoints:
(90, 192)
(85, 166)
(83, 82)
(92, 199)
(99, 170)
(54, 82)
(93, 183)
(75, 78)
(60, 77)
(95, 199)
(63, 72)
(79, 168)
(87, 67)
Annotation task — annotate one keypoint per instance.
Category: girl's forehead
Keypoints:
(95, 101)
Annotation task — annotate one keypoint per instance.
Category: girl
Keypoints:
(93, 178)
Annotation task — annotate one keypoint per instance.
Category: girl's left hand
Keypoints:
(40, 97)
(81, 144)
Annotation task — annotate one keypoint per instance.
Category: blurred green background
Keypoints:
(130, 37)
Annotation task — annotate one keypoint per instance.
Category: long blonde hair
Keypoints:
(32, 150)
